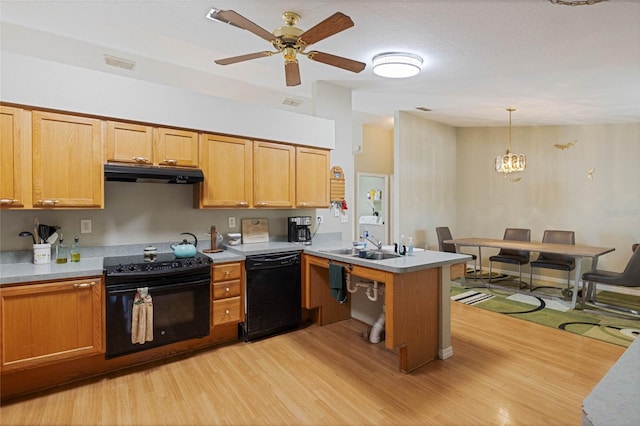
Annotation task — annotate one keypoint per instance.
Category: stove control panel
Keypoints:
(124, 267)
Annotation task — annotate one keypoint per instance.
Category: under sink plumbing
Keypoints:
(372, 288)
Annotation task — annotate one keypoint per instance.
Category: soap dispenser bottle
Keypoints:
(410, 246)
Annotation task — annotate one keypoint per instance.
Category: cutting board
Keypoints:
(255, 231)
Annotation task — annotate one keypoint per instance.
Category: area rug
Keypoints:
(547, 309)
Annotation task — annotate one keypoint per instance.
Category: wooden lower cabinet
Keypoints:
(227, 294)
(49, 322)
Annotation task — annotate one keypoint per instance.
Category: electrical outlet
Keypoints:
(232, 222)
(344, 218)
(85, 226)
(319, 219)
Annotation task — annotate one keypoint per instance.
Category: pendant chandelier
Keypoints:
(509, 162)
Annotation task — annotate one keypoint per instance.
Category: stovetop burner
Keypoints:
(164, 262)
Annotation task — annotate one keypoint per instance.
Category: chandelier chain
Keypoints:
(576, 2)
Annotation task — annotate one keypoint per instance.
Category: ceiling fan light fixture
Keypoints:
(397, 64)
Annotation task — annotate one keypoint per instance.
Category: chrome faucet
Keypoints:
(375, 241)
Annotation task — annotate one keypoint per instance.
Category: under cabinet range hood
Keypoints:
(120, 173)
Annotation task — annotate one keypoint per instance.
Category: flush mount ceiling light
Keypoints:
(396, 64)
(509, 162)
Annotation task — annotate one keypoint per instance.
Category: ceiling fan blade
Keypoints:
(336, 61)
(242, 58)
(292, 73)
(330, 26)
(235, 19)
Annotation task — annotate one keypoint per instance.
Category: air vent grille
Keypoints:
(119, 62)
(291, 102)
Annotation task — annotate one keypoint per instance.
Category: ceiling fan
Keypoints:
(291, 41)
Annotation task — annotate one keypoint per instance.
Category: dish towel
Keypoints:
(142, 317)
(337, 282)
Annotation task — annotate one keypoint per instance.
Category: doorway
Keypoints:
(373, 211)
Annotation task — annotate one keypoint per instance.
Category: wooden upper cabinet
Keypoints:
(273, 174)
(152, 146)
(227, 166)
(49, 322)
(129, 143)
(14, 164)
(67, 161)
(176, 147)
(312, 177)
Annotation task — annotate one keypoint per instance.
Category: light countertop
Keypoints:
(14, 273)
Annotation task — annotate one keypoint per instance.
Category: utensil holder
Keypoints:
(41, 254)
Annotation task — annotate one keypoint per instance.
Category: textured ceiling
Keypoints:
(556, 64)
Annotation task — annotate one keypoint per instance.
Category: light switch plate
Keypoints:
(344, 218)
(232, 222)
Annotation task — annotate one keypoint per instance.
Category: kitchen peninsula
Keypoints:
(416, 298)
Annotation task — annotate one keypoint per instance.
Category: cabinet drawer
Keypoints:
(226, 289)
(226, 271)
(226, 310)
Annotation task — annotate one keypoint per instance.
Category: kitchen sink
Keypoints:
(369, 254)
(379, 255)
(345, 251)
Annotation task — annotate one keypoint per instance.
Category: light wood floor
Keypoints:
(504, 371)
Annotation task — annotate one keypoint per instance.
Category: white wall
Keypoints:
(425, 172)
(37, 82)
(554, 192)
(139, 213)
(334, 103)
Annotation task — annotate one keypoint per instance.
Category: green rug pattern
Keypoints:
(546, 310)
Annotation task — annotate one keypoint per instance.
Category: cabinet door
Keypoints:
(273, 175)
(129, 143)
(44, 323)
(227, 166)
(13, 166)
(312, 177)
(177, 148)
(67, 161)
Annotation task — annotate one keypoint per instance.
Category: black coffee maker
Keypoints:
(299, 229)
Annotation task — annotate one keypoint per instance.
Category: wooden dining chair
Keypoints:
(560, 262)
(513, 257)
(444, 234)
(630, 277)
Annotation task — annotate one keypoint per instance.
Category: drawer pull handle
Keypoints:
(242, 203)
(170, 161)
(227, 273)
(227, 312)
(7, 201)
(262, 204)
(84, 285)
(140, 159)
(227, 290)
(48, 202)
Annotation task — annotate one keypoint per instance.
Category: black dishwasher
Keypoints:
(273, 294)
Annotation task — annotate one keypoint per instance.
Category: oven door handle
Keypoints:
(127, 288)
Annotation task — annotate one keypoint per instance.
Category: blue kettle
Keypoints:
(185, 248)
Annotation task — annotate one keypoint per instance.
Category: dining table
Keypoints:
(578, 251)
